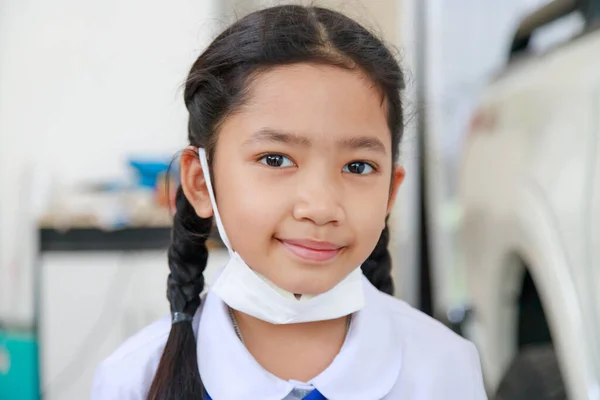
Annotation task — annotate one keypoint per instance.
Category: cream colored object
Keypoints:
(530, 190)
(379, 16)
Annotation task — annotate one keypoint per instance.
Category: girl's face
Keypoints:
(302, 175)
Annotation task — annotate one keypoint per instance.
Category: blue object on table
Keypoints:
(149, 171)
(19, 367)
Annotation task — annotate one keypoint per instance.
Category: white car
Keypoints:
(530, 188)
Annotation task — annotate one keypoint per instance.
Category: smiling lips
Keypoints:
(311, 250)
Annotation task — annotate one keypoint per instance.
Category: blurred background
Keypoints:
(496, 232)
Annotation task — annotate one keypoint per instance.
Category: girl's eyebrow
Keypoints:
(364, 143)
(275, 136)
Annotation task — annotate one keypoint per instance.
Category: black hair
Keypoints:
(217, 85)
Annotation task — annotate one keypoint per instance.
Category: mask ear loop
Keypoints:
(220, 227)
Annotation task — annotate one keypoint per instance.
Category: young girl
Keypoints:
(295, 121)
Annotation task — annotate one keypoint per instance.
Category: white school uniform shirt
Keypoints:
(392, 352)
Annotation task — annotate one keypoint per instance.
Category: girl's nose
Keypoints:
(319, 202)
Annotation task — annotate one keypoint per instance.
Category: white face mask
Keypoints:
(245, 290)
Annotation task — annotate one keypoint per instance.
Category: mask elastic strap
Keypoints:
(206, 172)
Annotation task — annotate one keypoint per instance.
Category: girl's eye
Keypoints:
(276, 161)
(359, 168)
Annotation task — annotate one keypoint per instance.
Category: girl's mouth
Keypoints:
(311, 250)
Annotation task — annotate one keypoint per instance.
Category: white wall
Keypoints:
(84, 84)
(117, 294)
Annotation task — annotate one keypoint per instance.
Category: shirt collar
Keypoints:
(367, 366)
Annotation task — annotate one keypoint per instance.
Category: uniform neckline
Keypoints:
(367, 366)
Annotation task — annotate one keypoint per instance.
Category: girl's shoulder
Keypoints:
(419, 330)
(412, 320)
(433, 352)
(128, 372)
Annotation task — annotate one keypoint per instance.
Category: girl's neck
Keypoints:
(294, 351)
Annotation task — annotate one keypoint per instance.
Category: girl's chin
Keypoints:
(312, 286)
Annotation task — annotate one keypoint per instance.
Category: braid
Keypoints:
(177, 375)
(378, 267)
(187, 257)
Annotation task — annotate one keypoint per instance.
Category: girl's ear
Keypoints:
(397, 179)
(193, 183)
